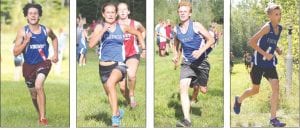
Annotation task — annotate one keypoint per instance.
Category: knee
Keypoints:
(123, 89)
(38, 86)
(184, 86)
(255, 90)
(275, 86)
(131, 77)
(110, 86)
(33, 93)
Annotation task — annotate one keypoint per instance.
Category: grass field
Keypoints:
(17, 109)
(255, 111)
(208, 112)
(93, 109)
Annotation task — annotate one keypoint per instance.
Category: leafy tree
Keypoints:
(91, 9)
(204, 11)
(54, 15)
(247, 17)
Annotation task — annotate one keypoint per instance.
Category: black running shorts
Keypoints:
(198, 73)
(257, 73)
(105, 71)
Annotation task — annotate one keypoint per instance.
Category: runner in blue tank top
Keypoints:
(31, 40)
(195, 67)
(112, 68)
(83, 46)
(264, 42)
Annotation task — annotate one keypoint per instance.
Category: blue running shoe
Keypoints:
(276, 123)
(116, 120)
(121, 113)
(237, 106)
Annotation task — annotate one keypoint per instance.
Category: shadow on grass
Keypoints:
(102, 116)
(122, 103)
(177, 107)
(175, 104)
(214, 91)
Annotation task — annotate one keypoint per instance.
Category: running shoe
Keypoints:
(43, 122)
(184, 123)
(237, 106)
(116, 120)
(276, 123)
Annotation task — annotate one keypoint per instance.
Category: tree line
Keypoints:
(91, 9)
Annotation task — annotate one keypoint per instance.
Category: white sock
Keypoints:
(131, 98)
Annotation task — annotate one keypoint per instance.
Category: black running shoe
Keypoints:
(184, 123)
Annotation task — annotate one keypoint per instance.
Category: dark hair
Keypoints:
(109, 4)
(30, 5)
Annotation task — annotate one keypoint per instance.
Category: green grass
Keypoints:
(17, 109)
(208, 112)
(255, 109)
(93, 109)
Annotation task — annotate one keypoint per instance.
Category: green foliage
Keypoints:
(6, 6)
(205, 11)
(54, 16)
(91, 9)
(247, 17)
(217, 9)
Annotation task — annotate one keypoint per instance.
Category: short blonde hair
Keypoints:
(271, 7)
(185, 3)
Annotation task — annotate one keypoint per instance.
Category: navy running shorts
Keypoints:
(257, 73)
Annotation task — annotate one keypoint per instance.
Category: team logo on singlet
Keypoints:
(109, 36)
(37, 46)
(271, 41)
(186, 39)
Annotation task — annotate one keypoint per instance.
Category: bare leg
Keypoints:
(33, 94)
(124, 89)
(195, 94)
(41, 98)
(184, 97)
(203, 89)
(84, 60)
(114, 77)
(81, 59)
(132, 69)
(274, 98)
(249, 92)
